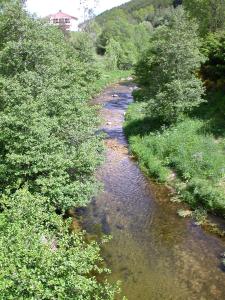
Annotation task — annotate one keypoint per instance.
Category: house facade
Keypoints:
(64, 21)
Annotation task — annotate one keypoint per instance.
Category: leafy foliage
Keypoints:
(131, 40)
(209, 14)
(188, 154)
(131, 26)
(49, 153)
(41, 259)
(214, 68)
(112, 54)
(46, 123)
(135, 10)
(166, 72)
(84, 45)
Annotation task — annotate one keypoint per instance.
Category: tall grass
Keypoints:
(186, 155)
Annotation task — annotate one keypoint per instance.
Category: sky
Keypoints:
(73, 7)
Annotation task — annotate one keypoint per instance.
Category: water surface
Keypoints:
(155, 254)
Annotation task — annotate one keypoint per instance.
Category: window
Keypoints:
(61, 21)
(67, 20)
(55, 21)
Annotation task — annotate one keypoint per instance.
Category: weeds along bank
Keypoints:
(49, 152)
(175, 126)
(185, 156)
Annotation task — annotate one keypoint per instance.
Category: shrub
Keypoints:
(149, 163)
(41, 259)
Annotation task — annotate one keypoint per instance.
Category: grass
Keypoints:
(189, 155)
(110, 77)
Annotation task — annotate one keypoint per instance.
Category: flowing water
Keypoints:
(156, 254)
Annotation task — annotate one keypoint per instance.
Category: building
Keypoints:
(64, 21)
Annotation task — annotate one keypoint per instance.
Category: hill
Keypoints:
(134, 11)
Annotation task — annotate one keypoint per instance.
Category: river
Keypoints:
(156, 254)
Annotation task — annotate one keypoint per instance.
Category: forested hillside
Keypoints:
(135, 10)
(122, 33)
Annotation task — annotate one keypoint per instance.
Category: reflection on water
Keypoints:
(156, 254)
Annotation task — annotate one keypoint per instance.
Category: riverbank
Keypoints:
(189, 156)
(108, 78)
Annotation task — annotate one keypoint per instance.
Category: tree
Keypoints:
(177, 3)
(141, 37)
(88, 9)
(49, 152)
(213, 70)
(84, 45)
(112, 54)
(131, 40)
(210, 14)
(93, 29)
(46, 123)
(167, 72)
(141, 14)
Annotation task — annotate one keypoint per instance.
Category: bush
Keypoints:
(41, 259)
(149, 163)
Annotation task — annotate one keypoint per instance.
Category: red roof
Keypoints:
(60, 15)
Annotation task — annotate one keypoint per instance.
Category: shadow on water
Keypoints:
(114, 133)
(120, 101)
(155, 254)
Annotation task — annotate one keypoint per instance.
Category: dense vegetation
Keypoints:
(166, 71)
(49, 148)
(122, 34)
(176, 125)
(49, 153)
(210, 15)
(136, 10)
